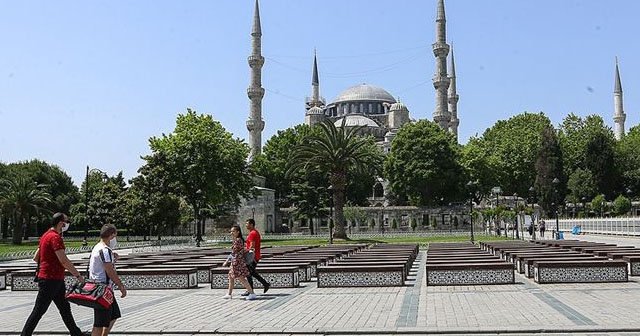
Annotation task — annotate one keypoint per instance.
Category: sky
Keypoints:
(87, 83)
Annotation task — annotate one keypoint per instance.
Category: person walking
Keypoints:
(101, 268)
(239, 268)
(253, 244)
(52, 261)
(542, 229)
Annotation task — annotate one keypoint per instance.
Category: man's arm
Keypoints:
(113, 276)
(62, 256)
(252, 241)
(36, 256)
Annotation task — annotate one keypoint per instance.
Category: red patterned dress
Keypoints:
(238, 263)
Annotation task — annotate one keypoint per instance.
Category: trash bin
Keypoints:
(560, 235)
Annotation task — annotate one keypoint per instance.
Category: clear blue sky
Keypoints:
(88, 83)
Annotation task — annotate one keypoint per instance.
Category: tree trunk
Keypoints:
(339, 182)
(16, 239)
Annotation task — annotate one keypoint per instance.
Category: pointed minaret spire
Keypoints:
(618, 114)
(453, 98)
(315, 82)
(255, 124)
(441, 114)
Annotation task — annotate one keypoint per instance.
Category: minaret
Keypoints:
(255, 124)
(315, 113)
(440, 79)
(618, 114)
(453, 98)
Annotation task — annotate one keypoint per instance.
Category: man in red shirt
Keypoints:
(253, 244)
(52, 261)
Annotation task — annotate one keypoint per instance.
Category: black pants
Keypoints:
(48, 291)
(254, 274)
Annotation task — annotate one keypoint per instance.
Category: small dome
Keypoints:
(315, 110)
(353, 120)
(365, 92)
(398, 107)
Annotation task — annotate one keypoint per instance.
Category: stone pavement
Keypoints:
(524, 308)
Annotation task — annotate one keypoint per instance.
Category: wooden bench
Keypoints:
(454, 274)
(527, 263)
(360, 276)
(580, 271)
(278, 277)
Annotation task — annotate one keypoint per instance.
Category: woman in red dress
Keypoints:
(239, 268)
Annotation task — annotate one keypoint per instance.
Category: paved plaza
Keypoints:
(523, 308)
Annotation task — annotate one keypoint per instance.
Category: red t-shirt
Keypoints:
(254, 236)
(50, 265)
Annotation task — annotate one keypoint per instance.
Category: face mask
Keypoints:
(113, 243)
(65, 226)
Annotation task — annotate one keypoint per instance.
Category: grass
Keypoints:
(33, 244)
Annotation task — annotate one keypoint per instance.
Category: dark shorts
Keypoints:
(103, 317)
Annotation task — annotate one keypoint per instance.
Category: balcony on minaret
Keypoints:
(440, 49)
(255, 61)
(255, 125)
(440, 81)
(253, 92)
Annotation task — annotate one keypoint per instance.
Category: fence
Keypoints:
(625, 226)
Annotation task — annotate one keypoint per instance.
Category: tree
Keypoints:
(581, 184)
(599, 205)
(628, 154)
(621, 206)
(423, 164)
(354, 214)
(394, 224)
(204, 162)
(548, 167)
(413, 223)
(21, 198)
(335, 151)
(506, 153)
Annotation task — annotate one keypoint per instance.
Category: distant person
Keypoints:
(239, 268)
(542, 228)
(101, 268)
(530, 229)
(52, 261)
(253, 244)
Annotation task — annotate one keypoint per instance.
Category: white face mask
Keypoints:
(113, 243)
(65, 226)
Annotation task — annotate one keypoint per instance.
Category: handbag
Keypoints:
(91, 293)
(249, 256)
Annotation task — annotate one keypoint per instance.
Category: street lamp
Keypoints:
(471, 186)
(497, 191)
(555, 182)
(532, 195)
(86, 200)
(517, 208)
(197, 217)
(330, 224)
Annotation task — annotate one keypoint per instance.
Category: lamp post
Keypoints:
(555, 182)
(86, 201)
(497, 191)
(532, 195)
(471, 186)
(517, 208)
(330, 224)
(197, 217)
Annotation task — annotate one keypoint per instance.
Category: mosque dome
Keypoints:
(398, 107)
(364, 92)
(353, 120)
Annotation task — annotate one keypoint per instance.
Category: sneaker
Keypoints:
(227, 297)
(266, 287)
(245, 293)
(251, 297)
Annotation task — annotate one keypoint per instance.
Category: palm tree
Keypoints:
(21, 198)
(334, 151)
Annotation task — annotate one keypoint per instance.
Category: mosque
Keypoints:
(371, 106)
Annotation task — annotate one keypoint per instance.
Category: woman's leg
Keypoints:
(231, 283)
(245, 283)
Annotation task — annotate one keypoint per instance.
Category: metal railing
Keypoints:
(625, 226)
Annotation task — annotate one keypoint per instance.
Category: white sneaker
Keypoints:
(251, 297)
(227, 297)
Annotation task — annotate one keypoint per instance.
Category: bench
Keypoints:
(520, 259)
(159, 278)
(278, 277)
(576, 271)
(202, 269)
(634, 264)
(360, 276)
(527, 263)
(452, 274)
(304, 268)
(22, 280)
(3, 280)
(374, 263)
